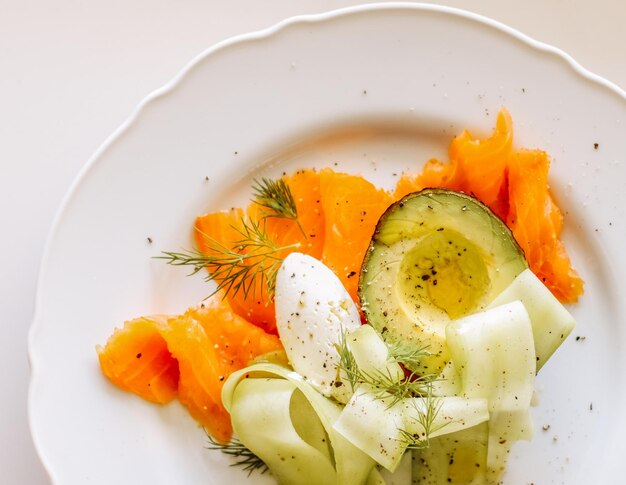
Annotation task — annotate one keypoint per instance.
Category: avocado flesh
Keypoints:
(436, 255)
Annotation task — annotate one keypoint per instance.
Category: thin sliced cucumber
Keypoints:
(551, 322)
(494, 354)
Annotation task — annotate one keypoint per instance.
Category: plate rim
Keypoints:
(170, 86)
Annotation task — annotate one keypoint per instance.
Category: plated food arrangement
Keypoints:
(357, 123)
(359, 335)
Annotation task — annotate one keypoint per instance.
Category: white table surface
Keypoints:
(71, 72)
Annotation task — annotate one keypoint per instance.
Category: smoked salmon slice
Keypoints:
(352, 207)
(514, 184)
(187, 356)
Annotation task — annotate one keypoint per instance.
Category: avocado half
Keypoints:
(435, 256)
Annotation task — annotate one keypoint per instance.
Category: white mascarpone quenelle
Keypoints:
(312, 310)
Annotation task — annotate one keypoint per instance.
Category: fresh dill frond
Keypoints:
(390, 388)
(426, 419)
(411, 386)
(387, 384)
(276, 199)
(414, 441)
(253, 260)
(347, 363)
(406, 354)
(242, 455)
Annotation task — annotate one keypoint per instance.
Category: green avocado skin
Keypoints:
(435, 256)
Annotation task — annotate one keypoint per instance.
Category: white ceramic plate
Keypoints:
(376, 90)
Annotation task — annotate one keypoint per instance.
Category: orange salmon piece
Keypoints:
(189, 356)
(352, 207)
(477, 167)
(307, 237)
(536, 222)
(515, 187)
(435, 174)
(136, 359)
(480, 165)
(309, 233)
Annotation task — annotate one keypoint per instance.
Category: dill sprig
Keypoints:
(253, 259)
(275, 197)
(426, 419)
(242, 455)
(406, 354)
(385, 382)
(347, 363)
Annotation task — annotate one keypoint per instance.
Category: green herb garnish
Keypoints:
(242, 455)
(386, 384)
(426, 418)
(254, 258)
(276, 199)
(251, 260)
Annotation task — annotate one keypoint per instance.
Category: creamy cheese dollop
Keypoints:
(313, 309)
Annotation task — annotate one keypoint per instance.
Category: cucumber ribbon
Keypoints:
(306, 438)
(289, 425)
